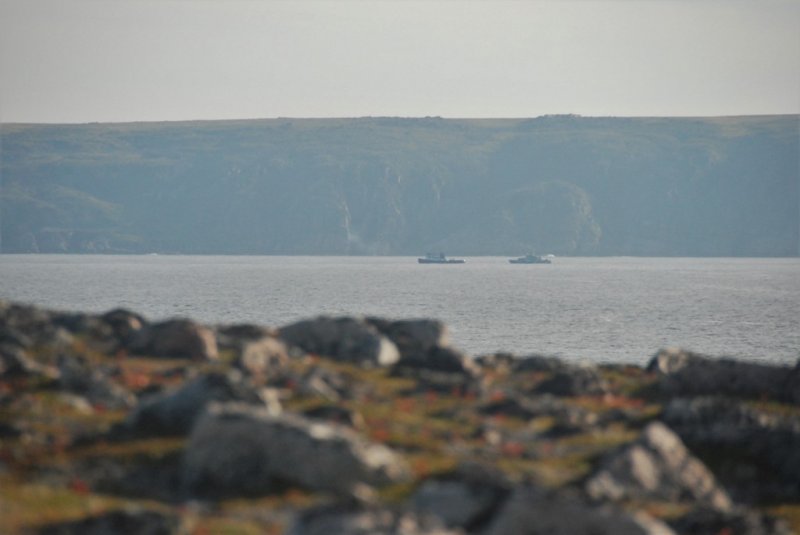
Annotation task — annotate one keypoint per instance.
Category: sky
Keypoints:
(77, 61)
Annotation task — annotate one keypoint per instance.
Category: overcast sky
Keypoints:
(139, 60)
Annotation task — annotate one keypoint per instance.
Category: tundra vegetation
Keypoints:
(111, 423)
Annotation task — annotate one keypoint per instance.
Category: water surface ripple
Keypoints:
(600, 309)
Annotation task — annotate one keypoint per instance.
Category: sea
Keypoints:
(607, 309)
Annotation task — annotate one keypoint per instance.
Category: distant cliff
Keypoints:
(556, 184)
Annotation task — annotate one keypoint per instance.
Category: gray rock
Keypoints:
(440, 359)
(448, 383)
(657, 466)
(34, 323)
(683, 373)
(246, 331)
(321, 382)
(125, 324)
(355, 520)
(414, 336)
(81, 323)
(716, 420)
(14, 338)
(791, 388)
(150, 477)
(540, 363)
(500, 362)
(466, 497)
(237, 337)
(176, 338)
(175, 412)
(670, 360)
(759, 448)
(264, 358)
(29, 327)
(76, 375)
(740, 521)
(14, 362)
(424, 345)
(344, 339)
(567, 416)
(337, 415)
(532, 511)
(238, 450)
(575, 381)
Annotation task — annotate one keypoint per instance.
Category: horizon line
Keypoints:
(408, 117)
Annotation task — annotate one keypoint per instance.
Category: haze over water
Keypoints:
(599, 309)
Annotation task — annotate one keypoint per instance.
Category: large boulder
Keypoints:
(466, 497)
(683, 373)
(235, 337)
(125, 325)
(424, 346)
(239, 450)
(413, 336)
(175, 412)
(657, 466)
(443, 370)
(176, 338)
(757, 448)
(344, 339)
(533, 511)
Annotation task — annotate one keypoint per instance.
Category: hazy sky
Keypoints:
(140, 60)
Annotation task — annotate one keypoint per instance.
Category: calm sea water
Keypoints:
(600, 309)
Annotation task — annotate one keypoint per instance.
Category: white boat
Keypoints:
(439, 258)
(531, 259)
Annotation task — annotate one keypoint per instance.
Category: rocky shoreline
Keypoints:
(110, 423)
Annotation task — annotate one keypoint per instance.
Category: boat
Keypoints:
(439, 258)
(531, 259)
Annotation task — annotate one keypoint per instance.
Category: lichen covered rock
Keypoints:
(344, 339)
(239, 450)
(534, 511)
(175, 412)
(657, 466)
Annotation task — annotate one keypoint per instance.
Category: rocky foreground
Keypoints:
(113, 424)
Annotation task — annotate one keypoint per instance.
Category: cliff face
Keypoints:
(562, 185)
